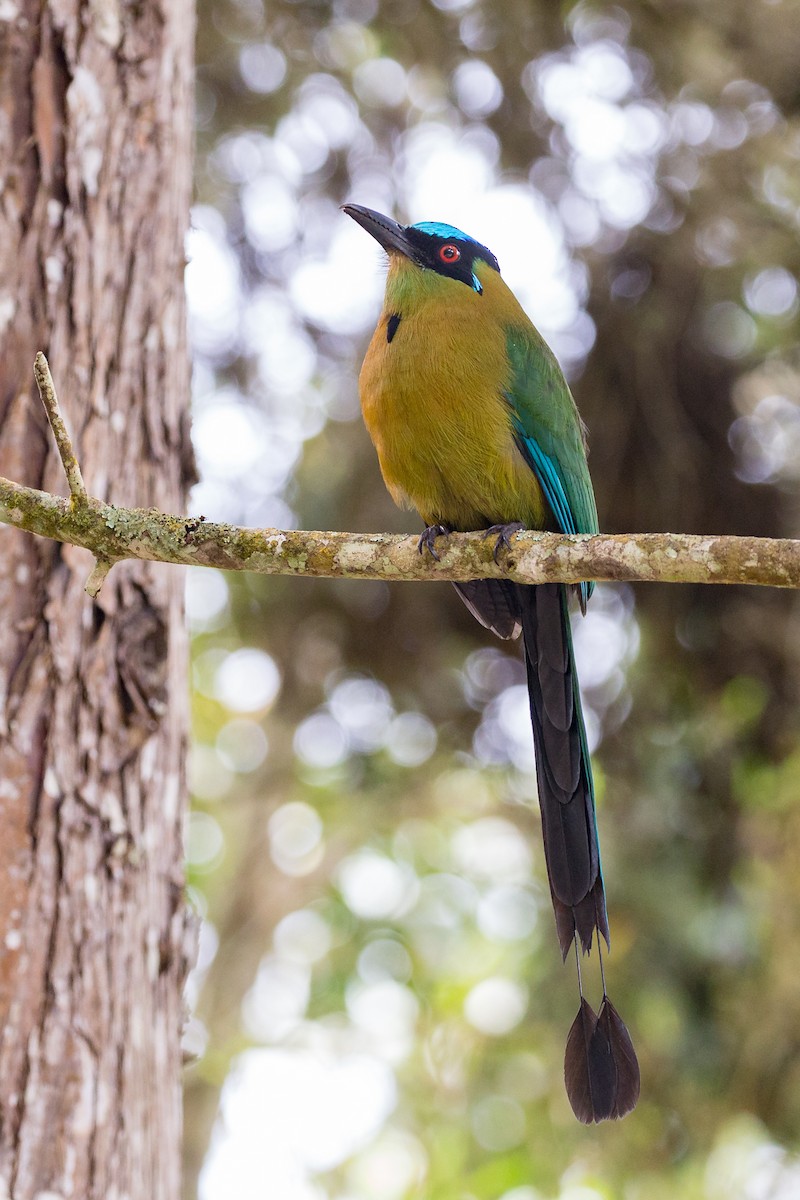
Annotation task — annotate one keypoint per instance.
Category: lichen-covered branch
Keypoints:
(113, 534)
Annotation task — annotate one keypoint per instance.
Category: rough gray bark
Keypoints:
(95, 162)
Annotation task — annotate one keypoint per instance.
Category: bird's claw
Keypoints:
(503, 532)
(428, 538)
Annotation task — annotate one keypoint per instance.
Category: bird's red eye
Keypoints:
(449, 254)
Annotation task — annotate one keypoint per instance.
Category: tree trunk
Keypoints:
(95, 163)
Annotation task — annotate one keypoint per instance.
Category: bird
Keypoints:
(475, 427)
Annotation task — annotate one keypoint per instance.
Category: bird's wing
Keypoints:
(549, 433)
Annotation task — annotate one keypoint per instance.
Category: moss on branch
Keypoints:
(113, 534)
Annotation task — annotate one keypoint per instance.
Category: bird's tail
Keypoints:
(600, 1068)
(563, 767)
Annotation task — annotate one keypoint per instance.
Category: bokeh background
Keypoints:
(379, 1010)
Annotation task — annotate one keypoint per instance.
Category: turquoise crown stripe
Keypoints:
(443, 230)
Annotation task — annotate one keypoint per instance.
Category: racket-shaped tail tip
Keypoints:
(601, 1071)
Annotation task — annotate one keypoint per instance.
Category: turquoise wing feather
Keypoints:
(549, 433)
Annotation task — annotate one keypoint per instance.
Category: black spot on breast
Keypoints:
(391, 326)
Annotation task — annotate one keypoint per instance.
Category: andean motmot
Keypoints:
(476, 428)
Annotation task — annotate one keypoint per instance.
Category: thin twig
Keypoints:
(47, 391)
(97, 577)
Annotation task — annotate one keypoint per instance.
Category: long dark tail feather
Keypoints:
(600, 1067)
(566, 790)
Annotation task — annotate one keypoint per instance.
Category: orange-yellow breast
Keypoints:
(433, 401)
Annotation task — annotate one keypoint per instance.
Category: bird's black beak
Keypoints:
(387, 233)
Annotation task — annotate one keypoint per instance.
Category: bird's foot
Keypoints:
(503, 532)
(428, 538)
